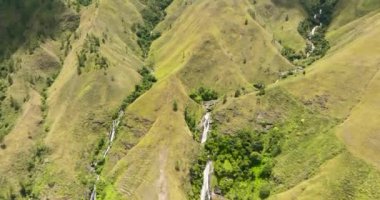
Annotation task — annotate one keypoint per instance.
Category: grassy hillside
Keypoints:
(62, 124)
(63, 78)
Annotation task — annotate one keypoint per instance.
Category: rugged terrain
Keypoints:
(71, 67)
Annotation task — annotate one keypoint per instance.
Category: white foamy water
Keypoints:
(206, 189)
(206, 121)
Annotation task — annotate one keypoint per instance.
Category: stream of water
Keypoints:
(112, 135)
(206, 127)
(313, 31)
(206, 186)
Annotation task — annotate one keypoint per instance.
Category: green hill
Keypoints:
(303, 128)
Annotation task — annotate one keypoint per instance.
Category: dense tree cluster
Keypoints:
(320, 12)
(242, 163)
(204, 94)
(152, 14)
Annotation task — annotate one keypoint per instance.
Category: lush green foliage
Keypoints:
(242, 163)
(204, 94)
(152, 14)
(321, 45)
(290, 54)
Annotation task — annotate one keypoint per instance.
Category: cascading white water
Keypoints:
(206, 121)
(93, 193)
(312, 33)
(115, 124)
(206, 190)
(314, 30)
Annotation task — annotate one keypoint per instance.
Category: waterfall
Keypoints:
(206, 121)
(112, 134)
(313, 31)
(206, 186)
(206, 189)
(93, 193)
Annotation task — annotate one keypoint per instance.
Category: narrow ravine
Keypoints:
(313, 31)
(206, 186)
(112, 135)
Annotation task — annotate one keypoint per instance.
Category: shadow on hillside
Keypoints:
(285, 3)
(26, 23)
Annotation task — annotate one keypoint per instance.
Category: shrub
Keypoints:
(177, 166)
(259, 85)
(175, 106)
(14, 104)
(237, 93)
(261, 92)
(290, 54)
(190, 120)
(266, 171)
(204, 94)
(264, 191)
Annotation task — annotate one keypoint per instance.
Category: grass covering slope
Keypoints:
(360, 130)
(349, 10)
(307, 129)
(80, 106)
(36, 57)
(219, 45)
(332, 84)
(225, 52)
(282, 19)
(163, 128)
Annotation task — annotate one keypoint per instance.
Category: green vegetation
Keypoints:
(84, 2)
(291, 54)
(204, 94)
(7, 67)
(152, 14)
(260, 87)
(321, 45)
(26, 23)
(242, 163)
(175, 106)
(98, 161)
(91, 55)
(38, 154)
(191, 121)
(148, 80)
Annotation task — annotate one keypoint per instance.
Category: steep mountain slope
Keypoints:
(76, 110)
(207, 57)
(315, 128)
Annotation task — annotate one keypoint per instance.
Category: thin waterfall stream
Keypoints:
(111, 138)
(313, 31)
(206, 186)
